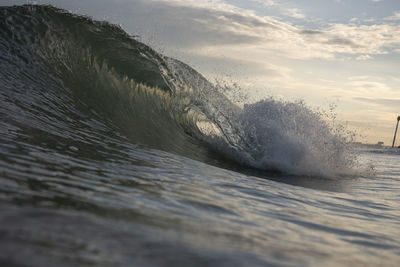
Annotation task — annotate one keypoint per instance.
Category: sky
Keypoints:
(341, 53)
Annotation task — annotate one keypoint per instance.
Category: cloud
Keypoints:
(343, 42)
(364, 57)
(311, 32)
(216, 23)
(283, 9)
(365, 39)
(371, 89)
(266, 3)
(294, 13)
(369, 85)
(395, 17)
(390, 103)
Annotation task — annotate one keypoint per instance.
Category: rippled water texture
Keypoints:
(114, 155)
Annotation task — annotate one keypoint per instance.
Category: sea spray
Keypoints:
(291, 137)
(270, 135)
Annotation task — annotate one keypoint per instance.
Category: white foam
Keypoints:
(292, 138)
(269, 134)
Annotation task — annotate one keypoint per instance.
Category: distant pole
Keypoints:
(395, 131)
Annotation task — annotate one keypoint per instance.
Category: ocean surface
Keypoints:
(112, 154)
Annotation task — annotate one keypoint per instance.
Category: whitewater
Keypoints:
(112, 154)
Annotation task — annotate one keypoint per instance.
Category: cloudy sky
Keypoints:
(327, 52)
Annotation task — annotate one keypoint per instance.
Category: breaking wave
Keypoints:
(65, 77)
